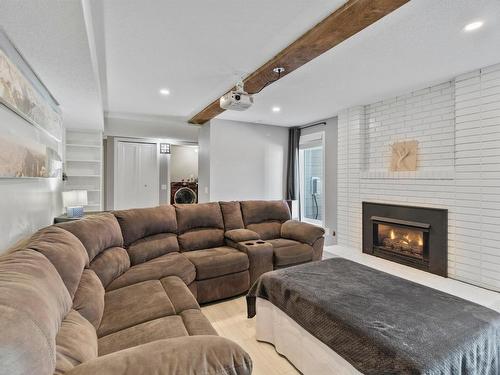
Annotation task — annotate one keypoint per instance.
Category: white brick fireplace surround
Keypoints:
(457, 125)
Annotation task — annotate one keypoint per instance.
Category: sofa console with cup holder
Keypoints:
(119, 293)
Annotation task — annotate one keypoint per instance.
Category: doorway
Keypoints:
(312, 178)
(136, 178)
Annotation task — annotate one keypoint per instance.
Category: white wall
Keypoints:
(204, 164)
(246, 161)
(25, 204)
(150, 127)
(457, 125)
(183, 162)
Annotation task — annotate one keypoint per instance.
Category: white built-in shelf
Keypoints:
(78, 145)
(83, 165)
(83, 175)
(82, 161)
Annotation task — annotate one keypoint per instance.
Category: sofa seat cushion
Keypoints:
(151, 247)
(173, 264)
(162, 328)
(289, 252)
(217, 261)
(132, 305)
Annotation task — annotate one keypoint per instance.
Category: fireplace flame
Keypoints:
(420, 241)
(393, 235)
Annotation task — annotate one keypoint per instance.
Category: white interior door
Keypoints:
(136, 175)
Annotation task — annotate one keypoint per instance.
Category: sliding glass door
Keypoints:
(312, 178)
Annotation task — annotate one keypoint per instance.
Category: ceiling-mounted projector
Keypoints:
(237, 100)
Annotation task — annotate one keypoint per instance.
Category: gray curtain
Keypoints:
(292, 175)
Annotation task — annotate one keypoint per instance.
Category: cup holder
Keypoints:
(260, 242)
(249, 243)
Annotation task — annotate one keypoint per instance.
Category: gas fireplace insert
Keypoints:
(413, 236)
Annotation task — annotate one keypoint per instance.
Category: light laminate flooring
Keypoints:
(230, 320)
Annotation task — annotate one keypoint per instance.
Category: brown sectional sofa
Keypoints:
(118, 293)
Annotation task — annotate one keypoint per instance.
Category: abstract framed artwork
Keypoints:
(23, 93)
(404, 156)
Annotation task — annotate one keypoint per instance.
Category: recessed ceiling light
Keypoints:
(276, 109)
(165, 92)
(473, 26)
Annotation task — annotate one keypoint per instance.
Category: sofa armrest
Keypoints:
(302, 232)
(186, 355)
(240, 235)
(260, 256)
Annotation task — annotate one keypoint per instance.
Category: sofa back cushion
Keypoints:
(33, 302)
(89, 298)
(265, 217)
(143, 222)
(96, 232)
(148, 232)
(231, 212)
(76, 342)
(64, 251)
(200, 226)
(110, 264)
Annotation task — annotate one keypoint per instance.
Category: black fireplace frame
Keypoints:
(433, 220)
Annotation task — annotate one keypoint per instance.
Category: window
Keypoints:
(312, 172)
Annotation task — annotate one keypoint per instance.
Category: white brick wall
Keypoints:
(457, 125)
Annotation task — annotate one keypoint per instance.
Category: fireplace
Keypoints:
(413, 236)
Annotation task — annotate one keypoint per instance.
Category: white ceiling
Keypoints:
(196, 48)
(52, 37)
(419, 44)
(199, 48)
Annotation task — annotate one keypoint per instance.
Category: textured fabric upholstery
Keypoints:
(116, 285)
(268, 230)
(144, 222)
(173, 264)
(231, 213)
(152, 247)
(222, 287)
(196, 323)
(318, 248)
(255, 212)
(217, 261)
(265, 217)
(110, 264)
(183, 355)
(290, 252)
(204, 215)
(89, 298)
(200, 226)
(96, 232)
(33, 303)
(239, 235)
(132, 305)
(65, 252)
(260, 257)
(157, 329)
(76, 342)
(179, 294)
(302, 232)
(148, 311)
(202, 238)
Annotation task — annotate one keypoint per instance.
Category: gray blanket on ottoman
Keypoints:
(383, 324)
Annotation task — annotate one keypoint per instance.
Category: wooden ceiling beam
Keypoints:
(346, 21)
